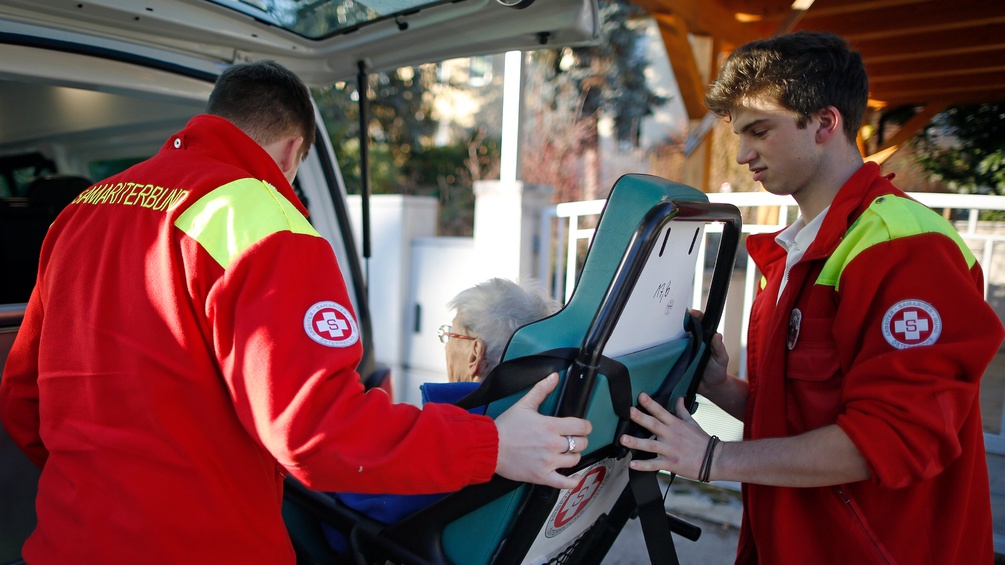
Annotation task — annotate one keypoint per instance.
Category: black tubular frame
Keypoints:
(583, 372)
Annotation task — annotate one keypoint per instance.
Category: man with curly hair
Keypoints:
(868, 338)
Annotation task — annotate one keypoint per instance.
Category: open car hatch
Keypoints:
(321, 40)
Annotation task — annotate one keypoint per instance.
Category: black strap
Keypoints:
(691, 363)
(656, 527)
(653, 517)
(515, 375)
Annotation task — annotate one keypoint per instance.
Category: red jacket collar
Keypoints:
(221, 139)
(857, 193)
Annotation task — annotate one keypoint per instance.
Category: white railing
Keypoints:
(985, 239)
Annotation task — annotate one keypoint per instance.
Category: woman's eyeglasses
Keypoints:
(445, 334)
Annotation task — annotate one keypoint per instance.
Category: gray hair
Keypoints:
(495, 309)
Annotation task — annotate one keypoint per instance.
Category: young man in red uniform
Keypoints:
(190, 341)
(868, 338)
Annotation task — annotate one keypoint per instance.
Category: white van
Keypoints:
(89, 87)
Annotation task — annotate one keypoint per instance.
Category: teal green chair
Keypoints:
(625, 330)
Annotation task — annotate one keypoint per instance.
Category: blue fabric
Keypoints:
(446, 393)
(392, 508)
(388, 508)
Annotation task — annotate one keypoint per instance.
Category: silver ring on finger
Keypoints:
(572, 445)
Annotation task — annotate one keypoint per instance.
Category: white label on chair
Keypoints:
(577, 509)
(656, 308)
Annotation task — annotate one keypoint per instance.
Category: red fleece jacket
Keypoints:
(883, 330)
(190, 340)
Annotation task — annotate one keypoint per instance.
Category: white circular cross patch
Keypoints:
(911, 323)
(575, 501)
(330, 324)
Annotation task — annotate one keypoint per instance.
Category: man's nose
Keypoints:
(744, 153)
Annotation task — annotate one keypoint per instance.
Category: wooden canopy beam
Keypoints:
(915, 124)
(674, 31)
(703, 18)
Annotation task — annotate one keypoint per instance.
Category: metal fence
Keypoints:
(572, 223)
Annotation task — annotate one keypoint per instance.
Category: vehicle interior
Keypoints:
(58, 122)
(59, 134)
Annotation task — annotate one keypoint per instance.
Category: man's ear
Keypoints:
(474, 365)
(289, 157)
(829, 124)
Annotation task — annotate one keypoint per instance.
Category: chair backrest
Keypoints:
(625, 330)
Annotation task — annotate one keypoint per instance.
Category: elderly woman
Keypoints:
(487, 315)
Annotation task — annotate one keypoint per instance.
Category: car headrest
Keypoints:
(54, 192)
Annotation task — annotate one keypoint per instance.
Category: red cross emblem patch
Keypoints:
(331, 324)
(911, 323)
(575, 501)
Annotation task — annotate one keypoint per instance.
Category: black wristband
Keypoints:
(706, 464)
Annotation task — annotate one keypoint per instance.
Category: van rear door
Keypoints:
(321, 40)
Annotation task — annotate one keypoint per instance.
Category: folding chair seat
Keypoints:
(625, 330)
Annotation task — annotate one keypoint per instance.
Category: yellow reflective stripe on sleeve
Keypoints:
(235, 216)
(887, 218)
(764, 282)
